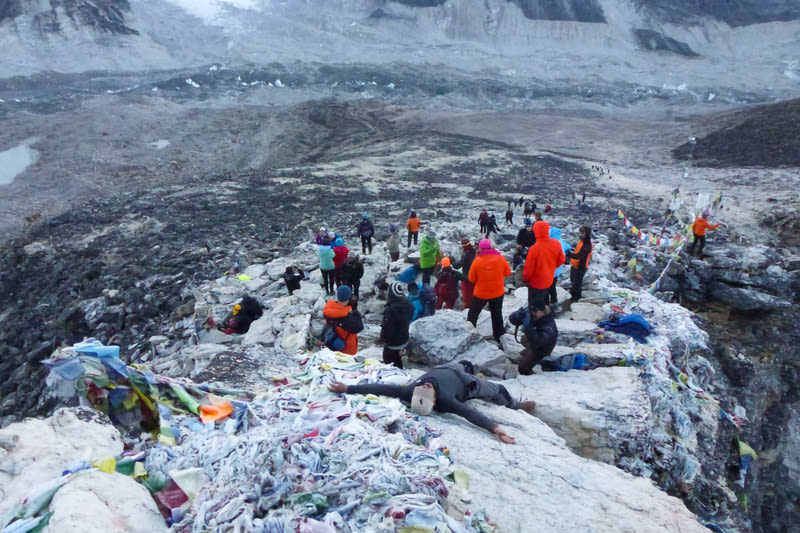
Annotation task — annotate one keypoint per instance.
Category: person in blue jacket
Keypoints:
(552, 294)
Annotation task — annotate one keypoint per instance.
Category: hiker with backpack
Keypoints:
(483, 220)
(488, 273)
(540, 265)
(429, 256)
(393, 244)
(326, 265)
(365, 230)
(397, 316)
(539, 335)
(409, 274)
(340, 253)
(344, 321)
(423, 298)
(446, 389)
(525, 236)
(243, 314)
(579, 261)
(413, 226)
(467, 257)
(353, 272)
(701, 224)
(446, 287)
(491, 226)
(292, 276)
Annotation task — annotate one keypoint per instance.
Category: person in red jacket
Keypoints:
(488, 273)
(340, 253)
(346, 320)
(540, 265)
(446, 285)
(699, 230)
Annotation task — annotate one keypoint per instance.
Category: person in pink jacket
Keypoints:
(543, 259)
(488, 273)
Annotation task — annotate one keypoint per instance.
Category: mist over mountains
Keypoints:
(712, 43)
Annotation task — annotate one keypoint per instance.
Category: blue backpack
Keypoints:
(330, 339)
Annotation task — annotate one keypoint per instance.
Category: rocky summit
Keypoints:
(166, 169)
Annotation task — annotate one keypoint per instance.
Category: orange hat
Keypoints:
(445, 261)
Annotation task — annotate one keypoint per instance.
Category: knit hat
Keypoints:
(393, 229)
(445, 262)
(344, 293)
(423, 399)
(322, 229)
(339, 242)
(398, 289)
(484, 244)
(465, 243)
(432, 234)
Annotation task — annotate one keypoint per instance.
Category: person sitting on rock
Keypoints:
(540, 335)
(397, 316)
(701, 224)
(242, 315)
(347, 322)
(423, 298)
(292, 277)
(446, 389)
(446, 287)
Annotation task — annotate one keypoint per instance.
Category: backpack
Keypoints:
(330, 339)
(427, 297)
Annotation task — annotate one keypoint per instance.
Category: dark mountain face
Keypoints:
(733, 12)
(104, 15)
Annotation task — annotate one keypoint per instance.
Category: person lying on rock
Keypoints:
(446, 389)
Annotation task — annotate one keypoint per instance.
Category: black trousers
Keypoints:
(411, 234)
(537, 297)
(552, 292)
(426, 275)
(327, 280)
(697, 238)
(392, 357)
(576, 278)
(366, 244)
(495, 308)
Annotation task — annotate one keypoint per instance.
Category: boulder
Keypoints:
(587, 312)
(747, 300)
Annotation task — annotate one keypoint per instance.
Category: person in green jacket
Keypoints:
(429, 256)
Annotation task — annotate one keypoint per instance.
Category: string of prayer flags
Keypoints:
(649, 237)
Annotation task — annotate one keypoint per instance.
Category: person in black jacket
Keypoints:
(292, 277)
(540, 335)
(353, 272)
(468, 254)
(366, 230)
(525, 237)
(394, 327)
(446, 389)
(491, 226)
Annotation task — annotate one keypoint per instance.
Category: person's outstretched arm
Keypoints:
(379, 389)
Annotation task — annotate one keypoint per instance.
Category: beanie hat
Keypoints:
(465, 243)
(339, 242)
(393, 229)
(432, 234)
(344, 293)
(445, 261)
(322, 229)
(398, 289)
(484, 244)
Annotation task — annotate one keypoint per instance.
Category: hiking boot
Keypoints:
(528, 406)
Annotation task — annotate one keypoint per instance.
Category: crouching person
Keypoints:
(344, 320)
(540, 335)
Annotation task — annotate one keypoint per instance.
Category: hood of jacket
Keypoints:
(555, 233)
(541, 230)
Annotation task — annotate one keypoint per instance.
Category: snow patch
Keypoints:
(16, 160)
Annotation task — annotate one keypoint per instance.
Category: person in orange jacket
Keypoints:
(344, 318)
(699, 230)
(579, 261)
(413, 225)
(543, 259)
(488, 273)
